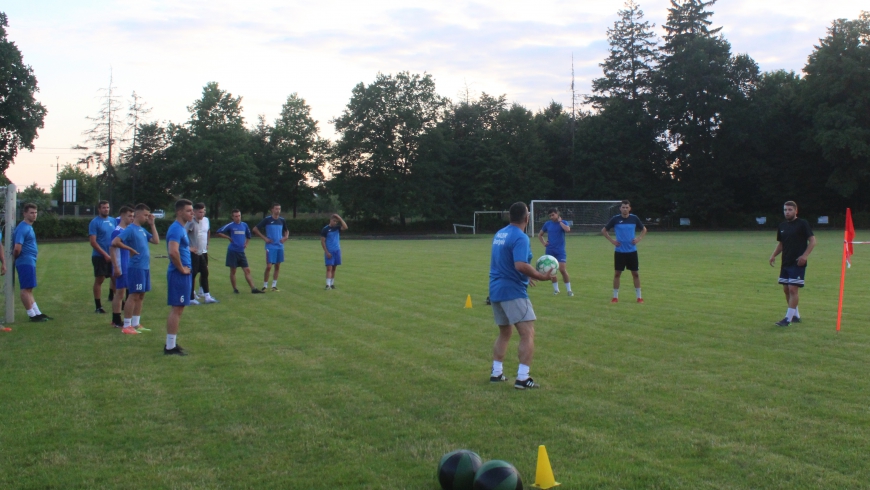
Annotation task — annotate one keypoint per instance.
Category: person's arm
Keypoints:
(16, 251)
(607, 236)
(175, 257)
(96, 246)
(802, 260)
(115, 253)
(118, 243)
(776, 251)
(155, 238)
(221, 235)
(564, 226)
(323, 244)
(638, 239)
(527, 269)
(190, 228)
(343, 224)
(257, 232)
(541, 237)
(286, 235)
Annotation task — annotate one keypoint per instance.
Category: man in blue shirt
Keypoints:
(239, 235)
(135, 239)
(178, 279)
(509, 273)
(276, 233)
(329, 240)
(100, 234)
(625, 225)
(25, 253)
(555, 230)
(120, 263)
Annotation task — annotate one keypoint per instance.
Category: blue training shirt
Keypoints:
(625, 228)
(555, 236)
(238, 233)
(124, 255)
(509, 245)
(331, 233)
(177, 233)
(135, 237)
(273, 228)
(102, 228)
(25, 235)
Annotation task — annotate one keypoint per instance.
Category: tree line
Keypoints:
(680, 125)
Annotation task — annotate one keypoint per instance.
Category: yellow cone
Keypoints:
(544, 475)
(468, 301)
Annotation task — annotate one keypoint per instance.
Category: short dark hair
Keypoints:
(553, 210)
(518, 212)
(275, 204)
(625, 201)
(234, 211)
(142, 207)
(28, 206)
(124, 210)
(102, 202)
(181, 203)
(199, 205)
(790, 203)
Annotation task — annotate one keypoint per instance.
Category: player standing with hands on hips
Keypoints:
(276, 233)
(796, 241)
(329, 240)
(555, 246)
(625, 225)
(509, 274)
(178, 279)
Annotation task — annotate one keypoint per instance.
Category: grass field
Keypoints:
(368, 385)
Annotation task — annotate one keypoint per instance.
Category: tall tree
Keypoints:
(136, 112)
(149, 178)
(379, 134)
(21, 116)
(104, 138)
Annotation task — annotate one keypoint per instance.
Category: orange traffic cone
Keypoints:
(544, 478)
(468, 302)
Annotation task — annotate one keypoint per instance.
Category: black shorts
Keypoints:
(198, 263)
(625, 260)
(236, 259)
(101, 267)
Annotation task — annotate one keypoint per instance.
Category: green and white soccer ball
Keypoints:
(548, 265)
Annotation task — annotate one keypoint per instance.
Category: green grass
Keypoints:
(368, 385)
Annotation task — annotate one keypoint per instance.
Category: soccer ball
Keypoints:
(548, 265)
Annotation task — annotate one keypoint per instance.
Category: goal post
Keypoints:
(582, 216)
(8, 215)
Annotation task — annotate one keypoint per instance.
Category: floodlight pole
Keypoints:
(11, 213)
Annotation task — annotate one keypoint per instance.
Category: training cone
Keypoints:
(544, 474)
(468, 301)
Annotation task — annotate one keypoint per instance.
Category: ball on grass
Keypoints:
(457, 468)
(548, 265)
(497, 475)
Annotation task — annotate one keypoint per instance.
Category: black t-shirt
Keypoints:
(793, 235)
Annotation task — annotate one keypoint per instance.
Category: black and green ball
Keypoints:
(497, 475)
(457, 469)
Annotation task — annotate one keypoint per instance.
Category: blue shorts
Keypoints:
(26, 276)
(336, 258)
(236, 259)
(792, 275)
(560, 255)
(179, 287)
(138, 280)
(274, 256)
(121, 281)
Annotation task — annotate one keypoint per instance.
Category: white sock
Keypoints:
(789, 313)
(496, 368)
(266, 284)
(523, 372)
(202, 293)
(556, 287)
(568, 286)
(615, 293)
(136, 320)
(31, 313)
(170, 341)
(797, 313)
(331, 281)
(36, 309)
(637, 291)
(327, 281)
(127, 322)
(274, 283)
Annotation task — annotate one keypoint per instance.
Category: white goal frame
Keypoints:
(557, 204)
(473, 226)
(10, 211)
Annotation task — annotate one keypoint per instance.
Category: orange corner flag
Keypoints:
(848, 249)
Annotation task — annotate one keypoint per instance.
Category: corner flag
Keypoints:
(849, 238)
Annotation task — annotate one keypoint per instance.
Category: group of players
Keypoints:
(121, 253)
(511, 273)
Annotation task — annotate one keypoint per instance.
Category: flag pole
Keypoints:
(842, 284)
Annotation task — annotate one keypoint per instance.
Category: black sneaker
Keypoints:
(332, 286)
(497, 379)
(326, 288)
(783, 323)
(100, 310)
(488, 301)
(175, 351)
(529, 383)
(38, 318)
(44, 316)
(796, 319)
(257, 291)
(236, 291)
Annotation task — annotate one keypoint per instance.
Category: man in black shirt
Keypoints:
(796, 241)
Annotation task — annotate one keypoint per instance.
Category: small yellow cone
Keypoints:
(468, 301)
(544, 478)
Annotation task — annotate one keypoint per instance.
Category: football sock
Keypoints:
(170, 341)
(265, 284)
(127, 322)
(31, 313)
(615, 293)
(637, 291)
(556, 287)
(789, 314)
(111, 294)
(523, 372)
(135, 320)
(36, 309)
(568, 286)
(331, 281)
(327, 281)
(797, 313)
(201, 292)
(98, 303)
(496, 368)
(275, 283)
(116, 318)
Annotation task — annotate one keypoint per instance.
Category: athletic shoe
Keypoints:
(614, 300)
(571, 294)
(175, 351)
(640, 300)
(117, 325)
(38, 318)
(194, 302)
(556, 292)
(783, 323)
(497, 379)
(275, 289)
(327, 287)
(236, 291)
(44, 316)
(140, 328)
(332, 286)
(258, 291)
(101, 311)
(264, 289)
(796, 319)
(129, 331)
(528, 383)
(209, 300)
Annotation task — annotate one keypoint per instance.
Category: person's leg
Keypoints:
(526, 348)
(98, 291)
(194, 270)
(793, 297)
(172, 323)
(787, 292)
(277, 270)
(27, 298)
(563, 268)
(268, 270)
(499, 348)
(203, 274)
(117, 306)
(616, 276)
(233, 278)
(635, 276)
(247, 271)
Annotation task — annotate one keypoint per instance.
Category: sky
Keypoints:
(166, 51)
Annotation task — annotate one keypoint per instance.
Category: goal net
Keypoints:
(582, 216)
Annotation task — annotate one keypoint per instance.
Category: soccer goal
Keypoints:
(8, 201)
(582, 216)
(485, 221)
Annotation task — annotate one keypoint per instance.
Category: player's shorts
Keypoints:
(513, 311)
(121, 281)
(560, 255)
(625, 260)
(236, 259)
(336, 258)
(793, 275)
(138, 280)
(26, 276)
(274, 256)
(179, 287)
(101, 267)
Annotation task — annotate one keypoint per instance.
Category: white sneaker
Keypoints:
(210, 300)
(194, 302)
